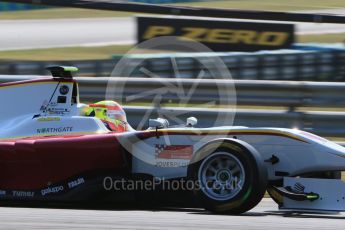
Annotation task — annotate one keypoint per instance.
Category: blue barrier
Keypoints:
(18, 6)
(15, 7)
(319, 47)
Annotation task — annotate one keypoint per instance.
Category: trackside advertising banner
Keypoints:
(218, 35)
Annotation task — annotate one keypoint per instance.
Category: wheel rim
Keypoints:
(222, 176)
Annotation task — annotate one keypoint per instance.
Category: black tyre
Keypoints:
(231, 176)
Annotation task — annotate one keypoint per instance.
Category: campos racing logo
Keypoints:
(169, 156)
(184, 152)
(54, 130)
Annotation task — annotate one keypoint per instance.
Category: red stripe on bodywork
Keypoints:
(146, 135)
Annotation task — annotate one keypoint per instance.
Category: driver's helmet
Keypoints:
(111, 113)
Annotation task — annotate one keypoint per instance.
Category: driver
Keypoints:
(110, 113)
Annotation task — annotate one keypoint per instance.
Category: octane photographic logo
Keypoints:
(166, 90)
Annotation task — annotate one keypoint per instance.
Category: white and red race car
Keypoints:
(50, 152)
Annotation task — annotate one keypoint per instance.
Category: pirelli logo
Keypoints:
(219, 35)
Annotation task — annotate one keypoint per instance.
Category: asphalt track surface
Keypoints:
(265, 216)
(32, 34)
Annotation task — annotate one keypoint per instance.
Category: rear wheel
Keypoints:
(231, 176)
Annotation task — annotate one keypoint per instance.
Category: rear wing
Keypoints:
(57, 96)
(64, 72)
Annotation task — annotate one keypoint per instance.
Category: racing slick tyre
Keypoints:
(229, 176)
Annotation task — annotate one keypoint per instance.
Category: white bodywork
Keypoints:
(32, 108)
(298, 152)
(35, 108)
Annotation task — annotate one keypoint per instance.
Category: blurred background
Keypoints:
(287, 74)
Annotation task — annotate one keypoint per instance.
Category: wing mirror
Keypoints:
(158, 123)
(191, 122)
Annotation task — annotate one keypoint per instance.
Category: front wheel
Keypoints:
(231, 176)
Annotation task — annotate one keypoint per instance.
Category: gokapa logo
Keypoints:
(175, 104)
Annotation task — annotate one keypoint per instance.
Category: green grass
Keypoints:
(70, 53)
(60, 13)
(272, 5)
(323, 38)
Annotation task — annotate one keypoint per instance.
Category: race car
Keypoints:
(55, 149)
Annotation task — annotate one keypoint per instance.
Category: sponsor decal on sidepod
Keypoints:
(23, 193)
(52, 190)
(76, 182)
(173, 155)
(54, 130)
